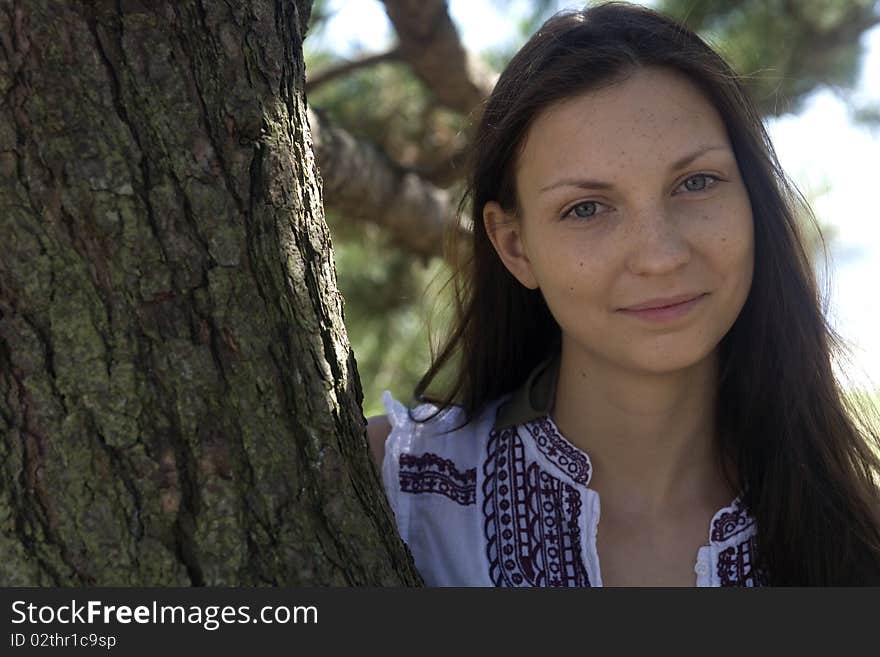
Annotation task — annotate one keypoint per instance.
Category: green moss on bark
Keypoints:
(178, 401)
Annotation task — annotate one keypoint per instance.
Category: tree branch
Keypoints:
(447, 171)
(429, 43)
(347, 67)
(364, 184)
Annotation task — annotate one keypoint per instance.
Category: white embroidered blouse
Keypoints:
(491, 505)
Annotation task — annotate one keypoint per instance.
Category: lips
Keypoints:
(664, 302)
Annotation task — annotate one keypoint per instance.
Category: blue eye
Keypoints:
(588, 209)
(585, 204)
(583, 210)
(701, 176)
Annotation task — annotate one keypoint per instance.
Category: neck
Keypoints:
(650, 436)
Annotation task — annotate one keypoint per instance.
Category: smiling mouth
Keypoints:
(666, 313)
(664, 303)
(668, 305)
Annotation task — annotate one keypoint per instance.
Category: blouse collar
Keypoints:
(534, 398)
(531, 405)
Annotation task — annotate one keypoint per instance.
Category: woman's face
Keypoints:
(615, 211)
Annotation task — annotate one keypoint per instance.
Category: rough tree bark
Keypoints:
(178, 400)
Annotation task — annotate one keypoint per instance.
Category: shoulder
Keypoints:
(406, 426)
(378, 428)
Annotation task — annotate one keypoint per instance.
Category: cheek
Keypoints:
(738, 248)
(728, 239)
(568, 271)
(575, 285)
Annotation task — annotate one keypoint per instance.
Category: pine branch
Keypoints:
(429, 42)
(364, 184)
(348, 67)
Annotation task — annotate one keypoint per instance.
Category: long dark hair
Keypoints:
(803, 453)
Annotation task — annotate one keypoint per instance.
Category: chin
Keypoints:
(669, 361)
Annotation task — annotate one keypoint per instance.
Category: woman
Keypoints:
(638, 325)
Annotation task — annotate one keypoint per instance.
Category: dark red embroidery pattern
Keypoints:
(429, 473)
(530, 520)
(559, 451)
(730, 523)
(736, 565)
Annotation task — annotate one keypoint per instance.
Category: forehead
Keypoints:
(650, 119)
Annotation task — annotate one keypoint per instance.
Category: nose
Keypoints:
(656, 244)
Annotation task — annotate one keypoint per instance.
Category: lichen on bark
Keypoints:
(178, 399)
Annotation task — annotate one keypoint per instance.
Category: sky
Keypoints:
(819, 145)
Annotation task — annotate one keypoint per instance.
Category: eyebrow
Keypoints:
(595, 184)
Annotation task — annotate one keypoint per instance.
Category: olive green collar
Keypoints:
(534, 398)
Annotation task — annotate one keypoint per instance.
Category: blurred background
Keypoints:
(396, 86)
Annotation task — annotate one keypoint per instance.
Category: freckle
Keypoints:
(571, 289)
(581, 263)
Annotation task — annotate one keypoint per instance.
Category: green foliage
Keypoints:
(526, 25)
(865, 396)
(391, 298)
(385, 104)
(864, 407)
(787, 49)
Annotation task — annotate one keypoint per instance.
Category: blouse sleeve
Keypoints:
(429, 475)
(399, 441)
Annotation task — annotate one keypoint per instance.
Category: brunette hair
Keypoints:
(803, 453)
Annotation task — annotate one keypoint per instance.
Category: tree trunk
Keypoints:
(178, 400)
